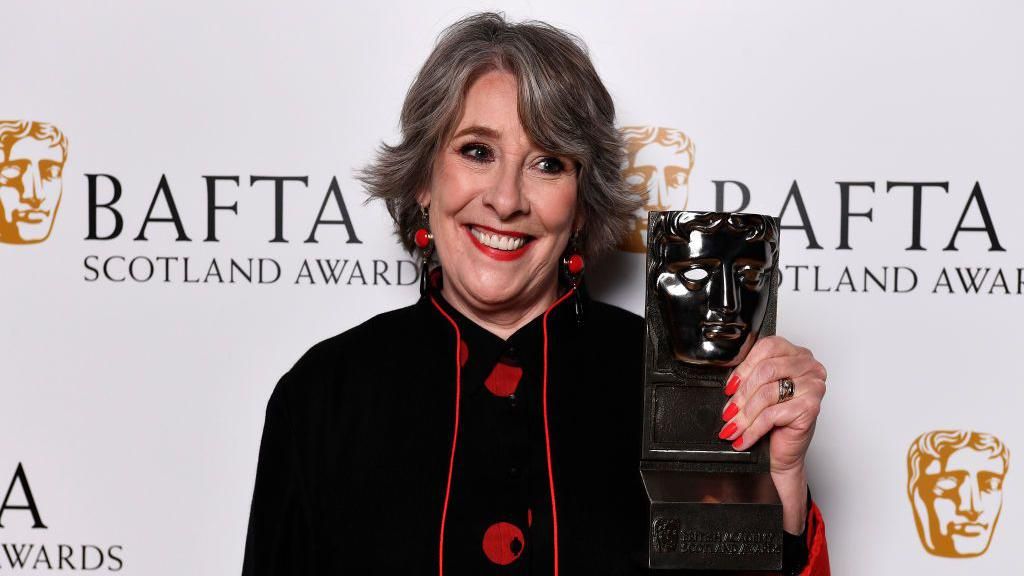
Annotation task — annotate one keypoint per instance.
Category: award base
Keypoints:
(712, 520)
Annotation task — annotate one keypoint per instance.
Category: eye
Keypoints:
(477, 152)
(550, 165)
(635, 179)
(50, 170)
(696, 274)
(992, 484)
(751, 275)
(945, 485)
(695, 277)
(673, 177)
(11, 171)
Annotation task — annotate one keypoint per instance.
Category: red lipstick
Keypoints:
(500, 255)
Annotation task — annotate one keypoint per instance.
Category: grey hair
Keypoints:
(563, 105)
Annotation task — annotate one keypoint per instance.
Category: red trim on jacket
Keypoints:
(547, 433)
(455, 434)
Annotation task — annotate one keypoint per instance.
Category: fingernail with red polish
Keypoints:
(729, 429)
(732, 385)
(730, 411)
(737, 443)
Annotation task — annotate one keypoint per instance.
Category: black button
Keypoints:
(513, 472)
(513, 399)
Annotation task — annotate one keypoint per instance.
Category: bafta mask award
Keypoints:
(711, 289)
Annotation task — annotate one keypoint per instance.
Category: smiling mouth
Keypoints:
(500, 245)
(722, 330)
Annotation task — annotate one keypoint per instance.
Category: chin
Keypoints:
(726, 359)
(33, 235)
(724, 353)
(971, 545)
(494, 293)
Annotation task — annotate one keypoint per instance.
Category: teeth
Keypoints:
(498, 241)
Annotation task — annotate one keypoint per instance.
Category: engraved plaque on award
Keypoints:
(711, 288)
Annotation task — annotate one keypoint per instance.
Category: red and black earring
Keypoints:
(572, 268)
(424, 240)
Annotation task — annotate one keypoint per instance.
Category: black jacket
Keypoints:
(356, 470)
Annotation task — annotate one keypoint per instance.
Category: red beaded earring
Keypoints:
(424, 240)
(572, 267)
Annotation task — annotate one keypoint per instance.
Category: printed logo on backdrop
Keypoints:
(660, 164)
(659, 161)
(955, 485)
(32, 180)
(20, 515)
(32, 156)
(659, 169)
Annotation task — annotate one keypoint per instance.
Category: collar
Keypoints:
(482, 349)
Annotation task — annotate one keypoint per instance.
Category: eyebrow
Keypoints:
(477, 130)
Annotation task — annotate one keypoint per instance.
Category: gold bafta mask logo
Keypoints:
(955, 486)
(32, 156)
(659, 161)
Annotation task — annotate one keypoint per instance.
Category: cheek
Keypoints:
(945, 510)
(990, 504)
(556, 206)
(449, 194)
(754, 306)
(443, 234)
(52, 190)
(694, 302)
(688, 307)
(453, 185)
(8, 199)
(672, 290)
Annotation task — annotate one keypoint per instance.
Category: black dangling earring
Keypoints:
(425, 242)
(572, 266)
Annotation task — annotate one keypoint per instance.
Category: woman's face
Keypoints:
(501, 209)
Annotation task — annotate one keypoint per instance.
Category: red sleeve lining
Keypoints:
(817, 557)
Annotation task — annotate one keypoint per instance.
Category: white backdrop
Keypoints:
(135, 408)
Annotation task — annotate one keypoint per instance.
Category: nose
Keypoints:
(659, 189)
(723, 287)
(505, 195)
(970, 500)
(32, 187)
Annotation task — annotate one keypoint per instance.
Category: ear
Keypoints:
(423, 197)
(578, 222)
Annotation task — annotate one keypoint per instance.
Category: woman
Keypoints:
(494, 426)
